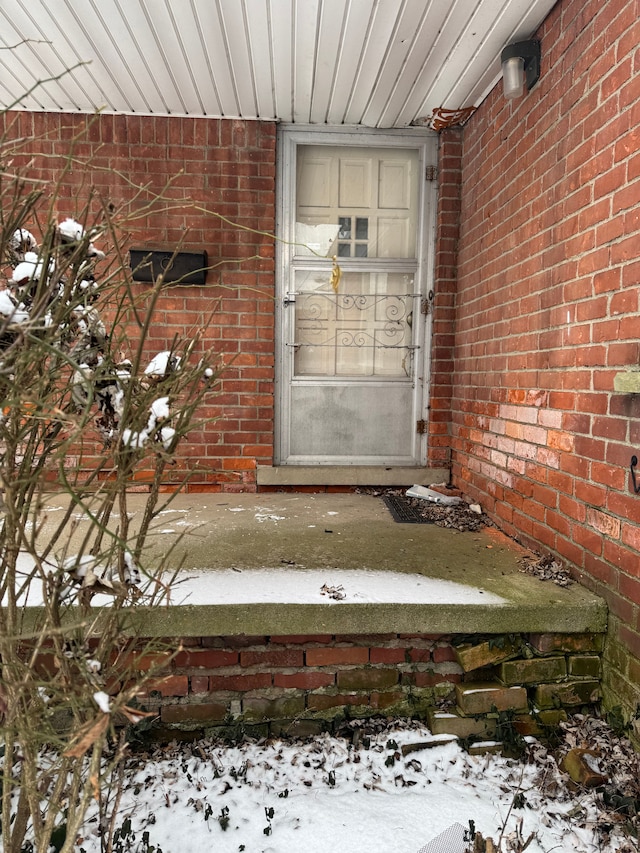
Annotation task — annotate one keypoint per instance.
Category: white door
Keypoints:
(353, 316)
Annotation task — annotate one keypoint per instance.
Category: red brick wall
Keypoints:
(204, 169)
(547, 309)
(301, 677)
(303, 684)
(443, 305)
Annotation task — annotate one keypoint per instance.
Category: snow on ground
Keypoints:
(372, 794)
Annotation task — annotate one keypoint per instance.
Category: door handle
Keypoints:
(289, 299)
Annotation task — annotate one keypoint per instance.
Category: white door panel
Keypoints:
(353, 277)
(379, 186)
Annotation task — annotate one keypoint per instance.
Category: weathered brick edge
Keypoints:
(305, 684)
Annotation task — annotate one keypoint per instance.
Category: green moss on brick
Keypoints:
(448, 723)
(584, 666)
(552, 717)
(297, 728)
(367, 679)
(193, 713)
(483, 696)
(532, 671)
(284, 707)
(569, 693)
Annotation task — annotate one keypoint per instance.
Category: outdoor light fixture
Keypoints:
(520, 63)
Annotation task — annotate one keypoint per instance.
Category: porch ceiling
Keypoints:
(377, 63)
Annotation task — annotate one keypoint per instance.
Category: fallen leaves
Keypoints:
(88, 734)
(547, 569)
(335, 592)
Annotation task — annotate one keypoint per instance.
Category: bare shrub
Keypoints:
(82, 408)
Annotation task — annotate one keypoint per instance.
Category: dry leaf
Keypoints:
(135, 715)
(88, 735)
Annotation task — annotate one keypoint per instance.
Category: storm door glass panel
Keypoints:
(362, 329)
(356, 202)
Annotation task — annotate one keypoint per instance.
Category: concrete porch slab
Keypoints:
(397, 578)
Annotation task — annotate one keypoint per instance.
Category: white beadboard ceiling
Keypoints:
(377, 63)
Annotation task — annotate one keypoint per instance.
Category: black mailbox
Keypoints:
(177, 267)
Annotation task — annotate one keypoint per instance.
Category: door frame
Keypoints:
(426, 142)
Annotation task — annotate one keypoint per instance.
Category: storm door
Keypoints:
(353, 310)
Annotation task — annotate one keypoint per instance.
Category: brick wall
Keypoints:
(210, 173)
(303, 684)
(443, 306)
(203, 169)
(547, 311)
(298, 682)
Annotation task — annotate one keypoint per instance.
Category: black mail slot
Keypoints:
(177, 267)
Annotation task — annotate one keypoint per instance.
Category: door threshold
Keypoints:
(349, 475)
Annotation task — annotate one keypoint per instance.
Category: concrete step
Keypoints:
(257, 565)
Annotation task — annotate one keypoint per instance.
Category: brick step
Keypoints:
(298, 683)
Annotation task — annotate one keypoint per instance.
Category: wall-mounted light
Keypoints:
(520, 64)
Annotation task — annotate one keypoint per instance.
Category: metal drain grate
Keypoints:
(403, 511)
